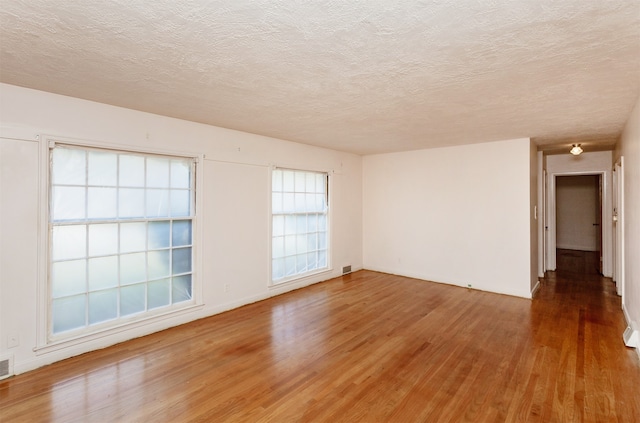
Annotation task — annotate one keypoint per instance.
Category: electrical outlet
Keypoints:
(13, 340)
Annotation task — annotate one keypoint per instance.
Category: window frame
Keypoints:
(47, 341)
(328, 199)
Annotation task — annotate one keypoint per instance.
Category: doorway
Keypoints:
(579, 218)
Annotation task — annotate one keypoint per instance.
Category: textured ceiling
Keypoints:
(360, 76)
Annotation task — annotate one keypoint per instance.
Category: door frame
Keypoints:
(551, 217)
(618, 227)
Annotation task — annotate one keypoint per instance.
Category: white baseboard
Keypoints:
(535, 289)
(634, 327)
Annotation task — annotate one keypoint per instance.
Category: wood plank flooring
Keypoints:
(366, 347)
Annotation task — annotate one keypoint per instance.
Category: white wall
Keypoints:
(577, 209)
(234, 225)
(458, 215)
(600, 162)
(629, 148)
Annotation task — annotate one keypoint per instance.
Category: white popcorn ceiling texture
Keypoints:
(359, 76)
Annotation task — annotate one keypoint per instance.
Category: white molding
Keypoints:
(536, 288)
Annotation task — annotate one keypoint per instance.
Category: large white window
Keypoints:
(120, 237)
(299, 223)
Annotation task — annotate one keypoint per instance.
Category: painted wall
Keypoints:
(234, 234)
(458, 215)
(629, 148)
(600, 162)
(577, 209)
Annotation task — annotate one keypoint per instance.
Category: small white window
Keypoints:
(299, 223)
(121, 244)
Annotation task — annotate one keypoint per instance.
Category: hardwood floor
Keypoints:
(367, 347)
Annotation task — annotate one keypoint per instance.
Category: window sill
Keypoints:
(307, 277)
(61, 344)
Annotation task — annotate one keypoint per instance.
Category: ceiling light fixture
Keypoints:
(576, 149)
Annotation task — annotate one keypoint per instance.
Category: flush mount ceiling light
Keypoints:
(576, 149)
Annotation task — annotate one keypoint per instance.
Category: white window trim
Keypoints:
(307, 277)
(46, 343)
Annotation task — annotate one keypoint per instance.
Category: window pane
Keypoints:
(180, 174)
(301, 223)
(312, 222)
(322, 222)
(102, 203)
(103, 239)
(322, 259)
(301, 243)
(132, 237)
(310, 203)
(301, 263)
(158, 264)
(68, 313)
(276, 180)
(310, 183)
(290, 224)
(131, 171)
(181, 233)
(180, 203)
(277, 247)
(157, 203)
(103, 168)
(132, 299)
(132, 268)
(181, 288)
(320, 203)
(68, 203)
(159, 235)
(103, 273)
(277, 226)
(181, 260)
(69, 242)
(103, 306)
(312, 260)
(69, 167)
(321, 183)
(288, 203)
(300, 178)
(131, 202)
(276, 203)
(299, 201)
(287, 180)
(312, 242)
(277, 269)
(290, 245)
(159, 293)
(69, 278)
(322, 240)
(157, 173)
(290, 266)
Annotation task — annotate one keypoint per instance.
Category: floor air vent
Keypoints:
(6, 368)
(346, 269)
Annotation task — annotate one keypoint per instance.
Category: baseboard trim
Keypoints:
(535, 289)
(631, 324)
